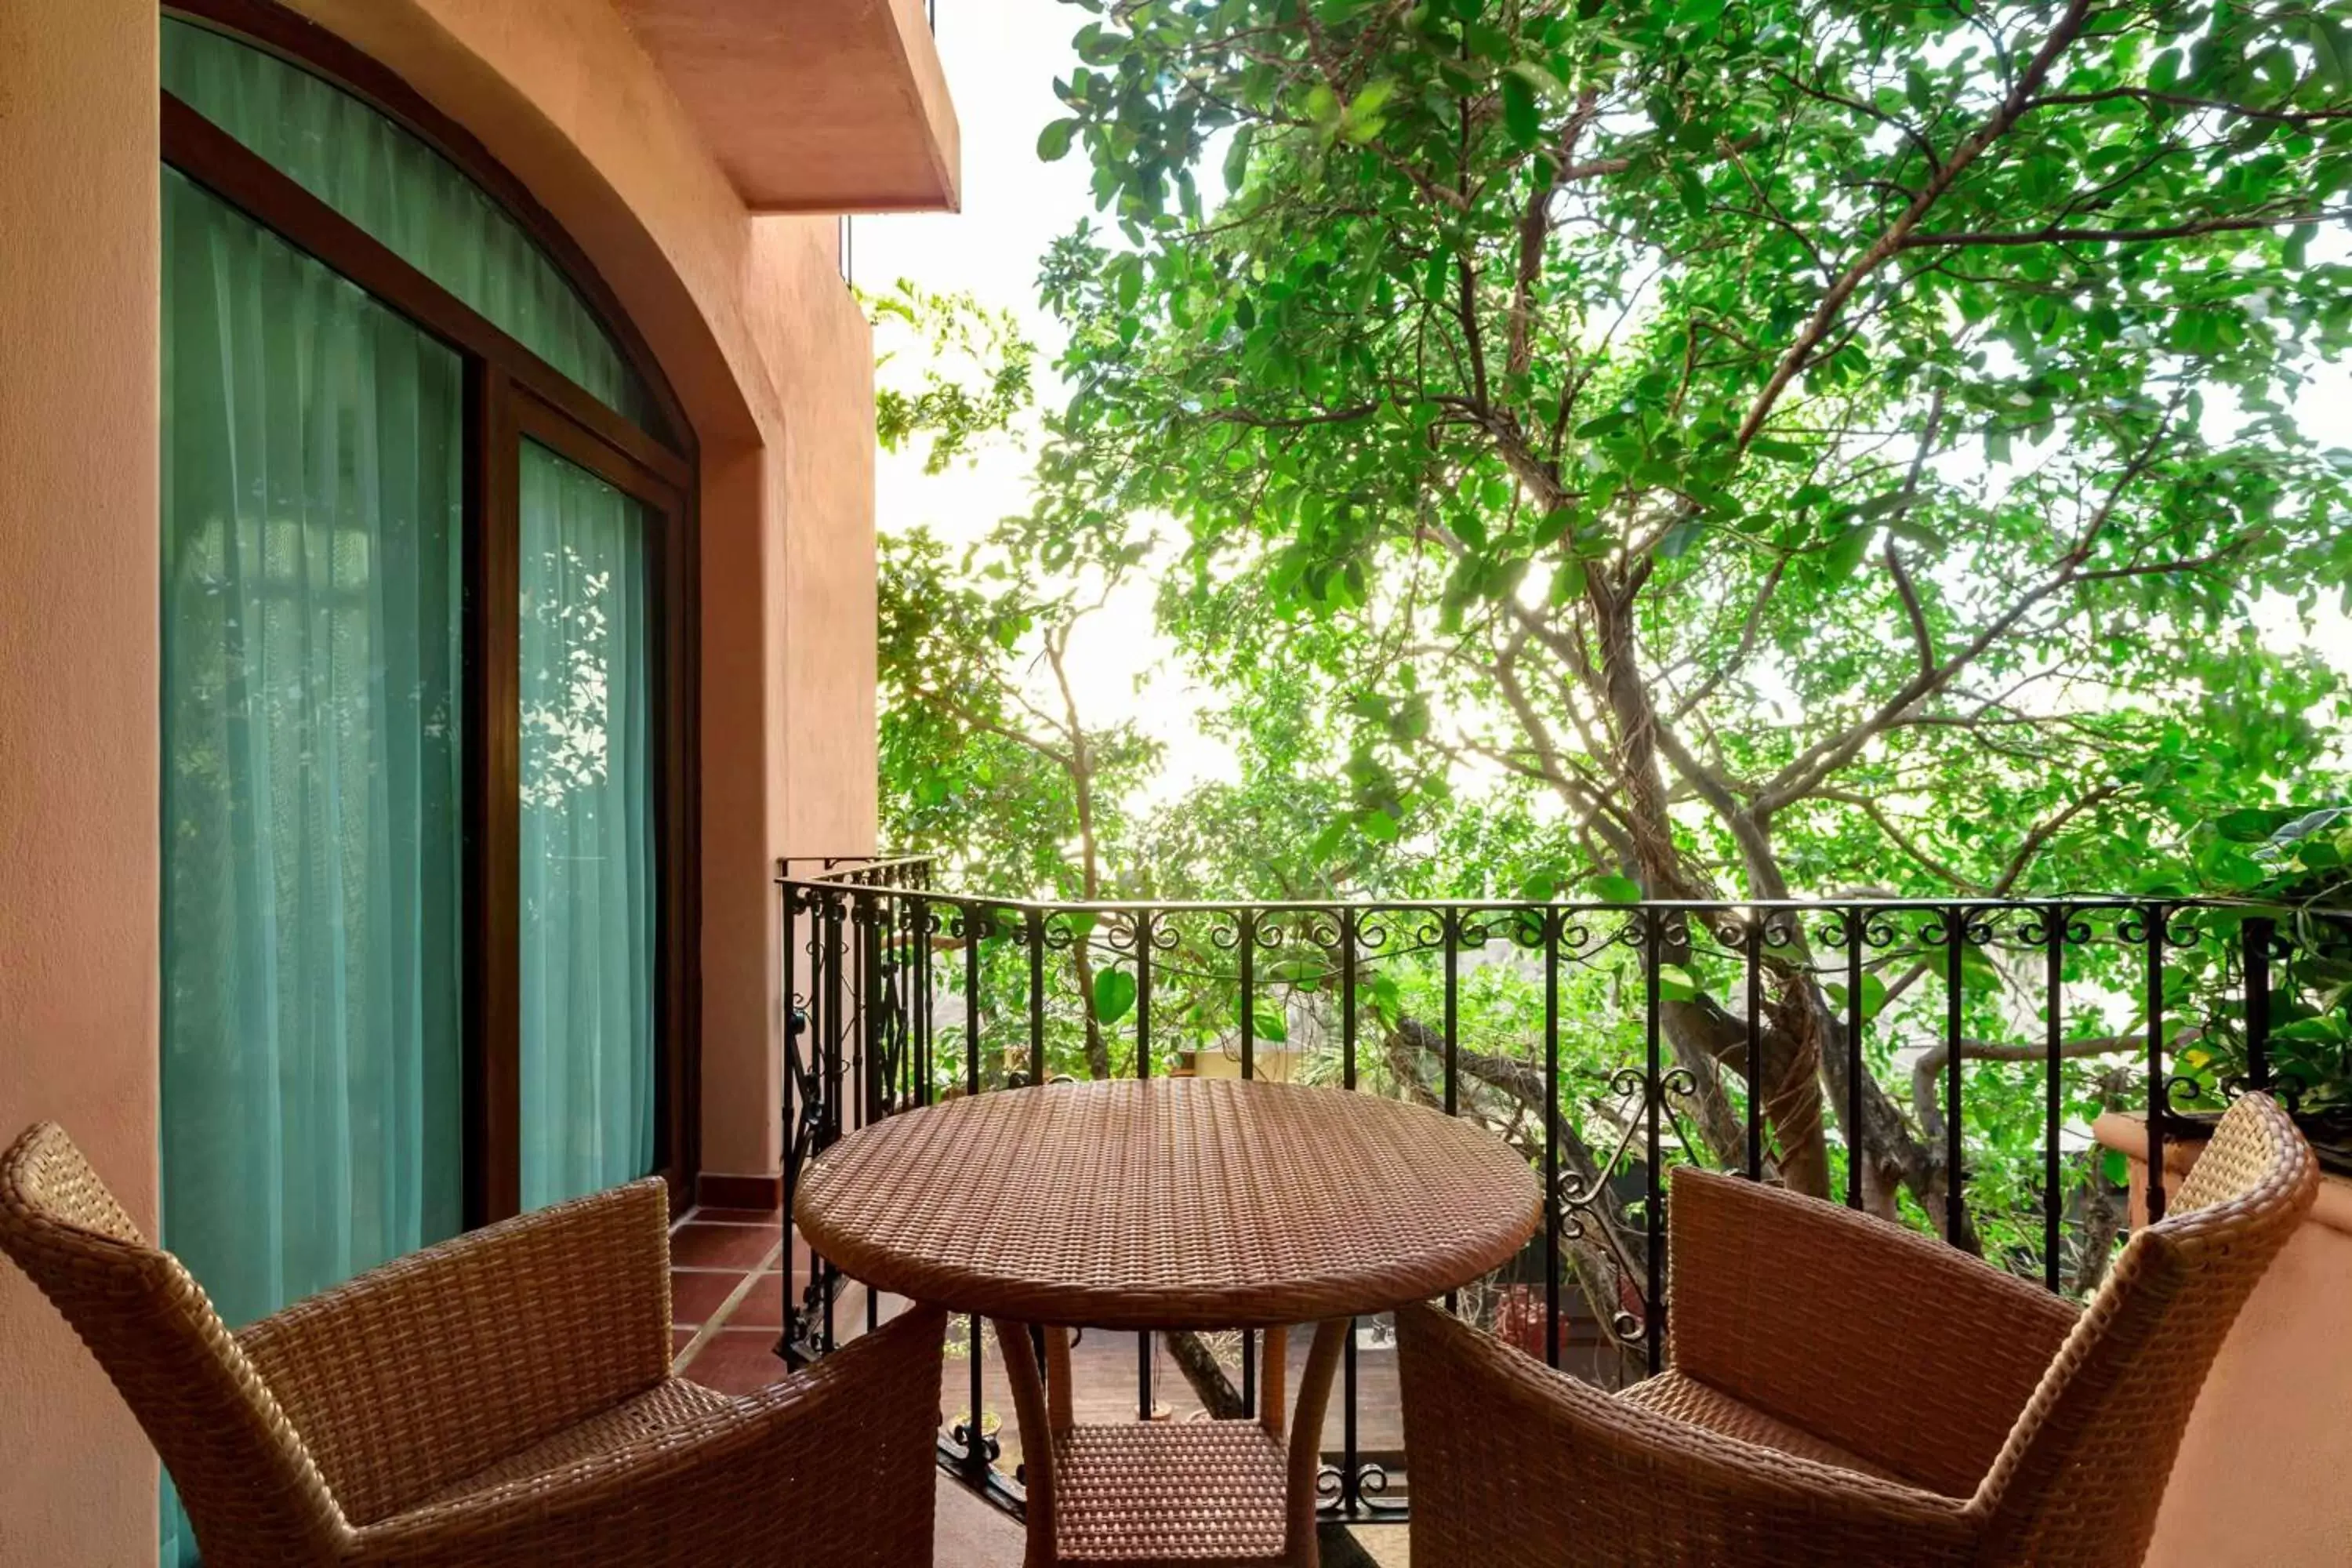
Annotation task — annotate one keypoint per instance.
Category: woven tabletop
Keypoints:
(1169, 1204)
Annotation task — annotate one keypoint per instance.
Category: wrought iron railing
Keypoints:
(1608, 1042)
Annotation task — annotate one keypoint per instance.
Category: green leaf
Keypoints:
(1916, 88)
(1541, 79)
(1569, 580)
(2115, 1166)
(1873, 995)
(1676, 541)
(1322, 106)
(1270, 1025)
(1371, 101)
(1615, 889)
(1519, 115)
(1237, 157)
(1697, 13)
(2328, 54)
(1054, 142)
(1114, 995)
(1676, 984)
(1487, 40)
(2248, 826)
(1846, 553)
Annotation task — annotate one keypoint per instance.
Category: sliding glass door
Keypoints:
(586, 830)
(312, 766)
(426, 700)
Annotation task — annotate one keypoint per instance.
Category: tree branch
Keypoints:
(2019, 99)
(2056, 235)
(1805, 772)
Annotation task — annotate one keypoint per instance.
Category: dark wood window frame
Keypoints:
(511, 395)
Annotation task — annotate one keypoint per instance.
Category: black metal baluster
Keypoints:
(2256, 937)
(791, 1169)
(926, 993)
(902, 986)
(835, 956)
(1143, 925)
(1854, 1142)
(2158, 917)
(877, 1021)
(975, 1444)
(2053, 1197)
(1351, 1475)
(1036, 933)
(823, 1113)
(1451, 920)
(1753, 946)
(859, 1012)
(1654, 1217)
(1550, 919)
(1246, 923)
(1956, 936)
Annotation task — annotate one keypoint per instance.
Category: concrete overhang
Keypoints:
(813, 106)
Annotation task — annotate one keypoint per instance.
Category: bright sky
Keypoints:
(1001, 57)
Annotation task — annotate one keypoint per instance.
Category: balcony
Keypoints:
(2043, 1055)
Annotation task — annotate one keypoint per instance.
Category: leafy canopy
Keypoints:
(1812, 444)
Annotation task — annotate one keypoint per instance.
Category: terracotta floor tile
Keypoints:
(763, 1307)
(678, 1340)
(737, 1246)
(737, 1360)
(695, 1295)
(738, 1216)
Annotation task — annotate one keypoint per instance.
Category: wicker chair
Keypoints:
(1844, 1390)
(503, 1398)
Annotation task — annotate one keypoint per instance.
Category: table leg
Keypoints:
(1306, 1435)
(1057, 1379)
(1272, 1389)
(1029, 1411)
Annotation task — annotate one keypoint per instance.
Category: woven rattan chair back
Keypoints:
(2085, 1469)
(243, 1474)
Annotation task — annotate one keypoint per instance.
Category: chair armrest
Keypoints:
(414, 1375)
(1886, 1342)
(835, 1465)
(1510, 1460)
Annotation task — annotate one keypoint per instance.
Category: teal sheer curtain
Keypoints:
(312, 484)
(418, 203)
(587, 833)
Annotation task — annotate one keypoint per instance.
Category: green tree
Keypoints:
(1810, 448)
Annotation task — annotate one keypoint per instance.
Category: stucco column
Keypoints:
(80, 285)
(2259, 1478)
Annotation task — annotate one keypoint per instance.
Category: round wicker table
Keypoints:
(1169, 1204)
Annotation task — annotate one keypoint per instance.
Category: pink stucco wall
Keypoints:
(770, 356)
(78, 316)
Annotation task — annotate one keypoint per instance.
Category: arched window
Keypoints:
(428, 556)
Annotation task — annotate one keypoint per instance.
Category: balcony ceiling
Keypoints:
(812, 105)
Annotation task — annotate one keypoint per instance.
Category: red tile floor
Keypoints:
(727, 1298)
